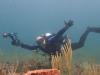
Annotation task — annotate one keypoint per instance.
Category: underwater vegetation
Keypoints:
(21, 67)
(61, 62)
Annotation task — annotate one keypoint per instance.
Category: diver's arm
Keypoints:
(63, 30)
(29, 47)
(17, 42)
(26, 46)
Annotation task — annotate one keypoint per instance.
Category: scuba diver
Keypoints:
(50, 43)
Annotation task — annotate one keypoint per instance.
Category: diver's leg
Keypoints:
(94, 29)
(81, 41)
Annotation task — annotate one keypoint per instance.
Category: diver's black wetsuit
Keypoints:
(54, 42)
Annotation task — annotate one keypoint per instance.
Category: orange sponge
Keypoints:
(44, 72)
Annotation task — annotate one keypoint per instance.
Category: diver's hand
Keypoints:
(69, 23)
(16, 42)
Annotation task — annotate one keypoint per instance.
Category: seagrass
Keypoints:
(63, 60)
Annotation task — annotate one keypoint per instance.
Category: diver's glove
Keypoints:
(69, 23)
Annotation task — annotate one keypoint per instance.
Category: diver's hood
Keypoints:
(41, 37)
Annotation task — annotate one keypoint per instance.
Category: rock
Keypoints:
(44, 72)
